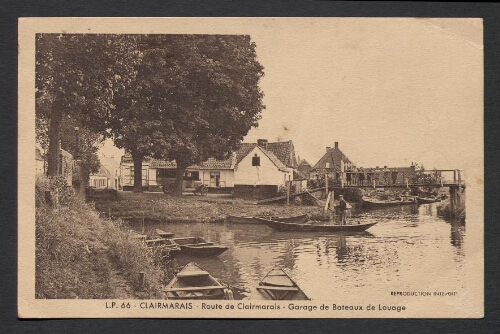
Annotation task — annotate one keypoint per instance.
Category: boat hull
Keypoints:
(294, 219)
(194, 283)
(209, 250)
(310, 227)
(278, 285)
(380, 204)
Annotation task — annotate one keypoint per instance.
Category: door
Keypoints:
(215, 179)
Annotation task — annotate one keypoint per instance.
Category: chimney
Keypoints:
(262, 143)
(328, 148)
(336, 145)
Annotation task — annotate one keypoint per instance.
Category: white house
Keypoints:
(259, 173)
(108, 175)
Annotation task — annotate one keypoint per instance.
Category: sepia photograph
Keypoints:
(251, 168)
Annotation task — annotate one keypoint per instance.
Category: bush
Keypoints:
(79, 255)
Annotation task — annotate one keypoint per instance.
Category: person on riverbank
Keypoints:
(342, 210)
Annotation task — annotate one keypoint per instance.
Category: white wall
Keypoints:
(226, 177)
(126, 180)
(265, 174)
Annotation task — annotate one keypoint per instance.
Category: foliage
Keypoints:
(78, 75)
(194, 97)
(79, 255)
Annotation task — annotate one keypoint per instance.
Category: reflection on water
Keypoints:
(410, 243)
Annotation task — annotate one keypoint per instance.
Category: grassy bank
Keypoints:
(210, 208)
(80, 255)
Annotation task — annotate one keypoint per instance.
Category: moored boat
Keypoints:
(294, 219)
(376, 203)
(278, 285)
(194, 282)
(166, 246)
(314, 227)
(197, 246)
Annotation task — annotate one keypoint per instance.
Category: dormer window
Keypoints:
(255, 160)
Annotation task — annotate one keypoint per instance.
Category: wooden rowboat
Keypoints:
(375, 203)
(193, 282)
(197, 246)
(294, 219)
(163, 234)
(278, 285)
(166, 246)
(313, 227)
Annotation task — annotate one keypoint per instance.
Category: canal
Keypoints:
(411, 248)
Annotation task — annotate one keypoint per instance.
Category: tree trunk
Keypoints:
(53, 154)
(179, 178)
(137, 172)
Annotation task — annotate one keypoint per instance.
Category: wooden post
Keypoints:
(332, 202)
(459, 179)
(453, 194)
(288, 191)
(326, 184)
(328, 199)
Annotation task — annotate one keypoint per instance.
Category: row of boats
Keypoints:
(193, 282)
(168, 246)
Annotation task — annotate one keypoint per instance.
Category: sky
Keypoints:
(390, 90)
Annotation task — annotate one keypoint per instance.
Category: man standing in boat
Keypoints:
(342, 210)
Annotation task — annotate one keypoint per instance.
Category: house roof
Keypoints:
(274, 159)
(332, 155)
(303, 162)
(284, 151)
(210, 163)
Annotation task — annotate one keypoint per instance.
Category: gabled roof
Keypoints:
(284, 151)
(333, 155)
(303, 162)
(274, 159)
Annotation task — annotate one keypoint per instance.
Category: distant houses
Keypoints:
(255, 170)
(264, 169)
(108, 175)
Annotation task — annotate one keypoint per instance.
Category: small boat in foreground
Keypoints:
(197, 246)
(313, 227)
(193, 282)
(278, 285)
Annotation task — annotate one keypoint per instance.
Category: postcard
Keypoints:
(251, 167)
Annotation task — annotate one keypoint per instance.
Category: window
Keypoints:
(327, 165)
(255, 160)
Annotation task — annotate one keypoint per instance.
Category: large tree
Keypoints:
(194, 97)
(78, 75)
